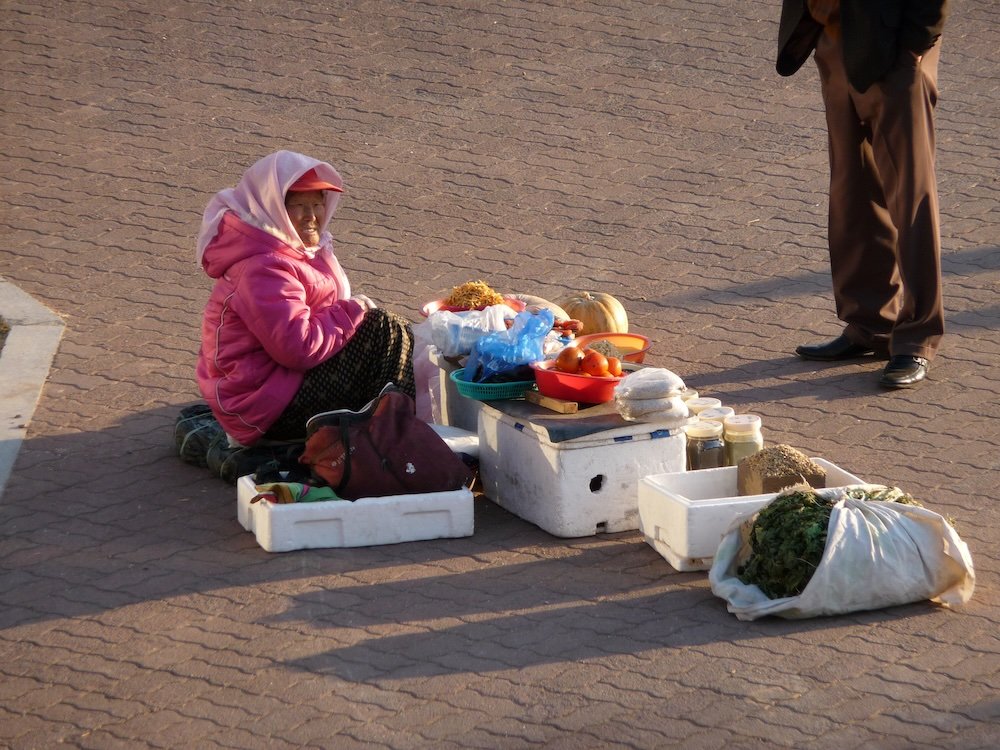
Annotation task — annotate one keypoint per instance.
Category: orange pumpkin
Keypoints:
(599, 312)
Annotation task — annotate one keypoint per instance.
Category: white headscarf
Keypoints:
(259, 200)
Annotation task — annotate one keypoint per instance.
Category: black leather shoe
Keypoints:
(904, 371)
(840, 348)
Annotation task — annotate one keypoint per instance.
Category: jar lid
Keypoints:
(742, 424)
(717, 414)
(696, 405)
(703, 429)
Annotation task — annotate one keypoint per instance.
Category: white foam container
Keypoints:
(362, 523)
(459, 440)
(577, 487)
(684, 515)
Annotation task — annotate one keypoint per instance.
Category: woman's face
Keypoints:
(307, 210)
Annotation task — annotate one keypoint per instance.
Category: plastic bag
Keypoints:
(650, 394)
(650, 382)
(284, 493)
(651, 409)
(502, 351)
(454, 334)
(877, 554)
(426, 373)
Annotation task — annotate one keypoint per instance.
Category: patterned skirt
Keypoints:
(379, 352)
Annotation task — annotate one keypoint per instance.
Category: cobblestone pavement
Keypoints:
(643, 148)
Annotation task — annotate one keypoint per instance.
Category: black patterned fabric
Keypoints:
(379, 352)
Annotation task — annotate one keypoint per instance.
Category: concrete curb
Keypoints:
(35, 332)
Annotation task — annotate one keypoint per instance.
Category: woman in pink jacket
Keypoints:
(282, 336)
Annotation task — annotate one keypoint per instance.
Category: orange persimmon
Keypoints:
(594, 363)
(569, 359)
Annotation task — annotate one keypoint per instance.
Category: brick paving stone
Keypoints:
(716, 738)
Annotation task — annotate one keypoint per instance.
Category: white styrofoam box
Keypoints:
(684, 515)
(578, 487)
(454, 409)
(459, 440)
(362, 523)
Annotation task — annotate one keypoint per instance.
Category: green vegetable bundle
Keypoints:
(788, 537)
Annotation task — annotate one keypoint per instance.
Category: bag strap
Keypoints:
(345, 438)
(335, 416)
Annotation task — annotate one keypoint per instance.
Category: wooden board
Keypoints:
(555, 404)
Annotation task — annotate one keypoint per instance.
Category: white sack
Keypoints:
(878, 554)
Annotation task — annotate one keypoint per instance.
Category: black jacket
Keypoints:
(874, 33)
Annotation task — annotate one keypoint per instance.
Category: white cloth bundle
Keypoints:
(877, 554)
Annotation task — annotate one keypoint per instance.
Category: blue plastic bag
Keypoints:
(500, 352)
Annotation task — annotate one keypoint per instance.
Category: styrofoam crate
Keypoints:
(684, 515)
(578, 487)
(459, 440)
(362, 523)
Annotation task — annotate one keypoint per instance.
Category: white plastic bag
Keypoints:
(650, 394)
(651, 409)
(650, 382)
(427, 399)
(878, 554)
(454, 334)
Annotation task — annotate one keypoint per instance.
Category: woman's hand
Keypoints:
(366, 304)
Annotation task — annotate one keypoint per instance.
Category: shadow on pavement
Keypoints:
(541, 627)
(133, 523)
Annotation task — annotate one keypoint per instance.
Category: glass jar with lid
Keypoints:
(705, 447)
(742, 436)
(698, 405)
(717, 414)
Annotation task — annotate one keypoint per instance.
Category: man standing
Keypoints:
(877, 62)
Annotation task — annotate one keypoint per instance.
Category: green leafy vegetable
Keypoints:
(788, 537)
(787, 542)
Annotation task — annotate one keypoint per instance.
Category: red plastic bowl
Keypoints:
(633, 345)
(438, 305)
(571, 387)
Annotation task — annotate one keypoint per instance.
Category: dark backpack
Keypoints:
(382, 449)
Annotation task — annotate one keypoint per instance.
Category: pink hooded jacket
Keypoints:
(277, 308)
